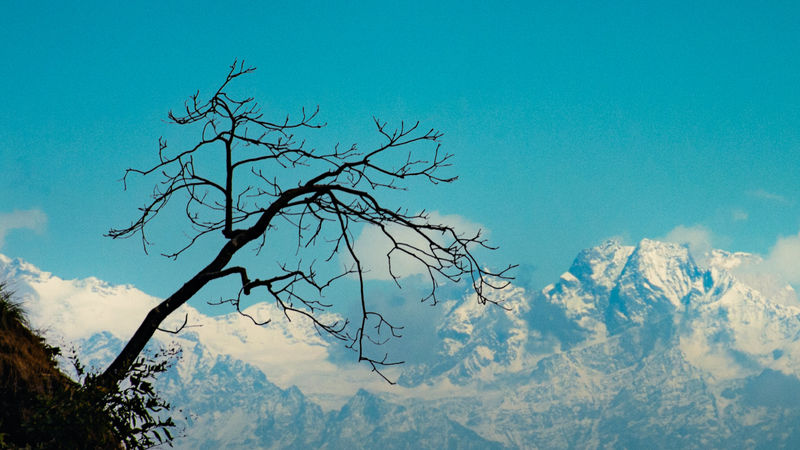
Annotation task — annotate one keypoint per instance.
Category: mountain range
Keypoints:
(633, 346)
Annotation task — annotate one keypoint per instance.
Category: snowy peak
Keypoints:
(364, 406)
(654, 290)
(478, 342)
(17, 268)
(724, 260)
(748, 269)
(662, 271)
(580, 296)
(608, 289)
(658, 278)
(612, 287)
(600, 265)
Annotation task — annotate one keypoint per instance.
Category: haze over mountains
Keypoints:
(633, 346)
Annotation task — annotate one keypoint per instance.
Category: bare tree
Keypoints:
(329, 195)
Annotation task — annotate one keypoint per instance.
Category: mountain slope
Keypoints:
(633, 346)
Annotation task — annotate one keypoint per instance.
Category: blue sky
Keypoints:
(571, 123)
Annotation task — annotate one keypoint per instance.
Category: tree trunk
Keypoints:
(119, 367)
(116, 371)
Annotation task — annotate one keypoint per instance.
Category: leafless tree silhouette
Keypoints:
(332, 194)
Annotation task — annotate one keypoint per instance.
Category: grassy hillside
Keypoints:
(40, 407)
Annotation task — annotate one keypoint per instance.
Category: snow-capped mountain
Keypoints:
(633, 346)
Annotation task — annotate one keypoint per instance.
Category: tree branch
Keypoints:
(269, 174)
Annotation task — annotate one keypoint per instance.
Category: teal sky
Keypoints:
(571, 123)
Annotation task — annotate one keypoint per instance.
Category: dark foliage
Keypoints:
(40, 407)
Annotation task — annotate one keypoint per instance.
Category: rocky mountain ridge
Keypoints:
(633, 346)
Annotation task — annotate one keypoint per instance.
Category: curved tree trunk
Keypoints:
(119, 367)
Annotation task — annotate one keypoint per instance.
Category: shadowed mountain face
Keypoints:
(633, 346)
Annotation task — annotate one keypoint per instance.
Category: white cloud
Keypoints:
(739, 215)
(776, 274)
(372, 247)
(766, 195)
(697, 237)
(784, 258)
(32, 219)
(772, 275)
